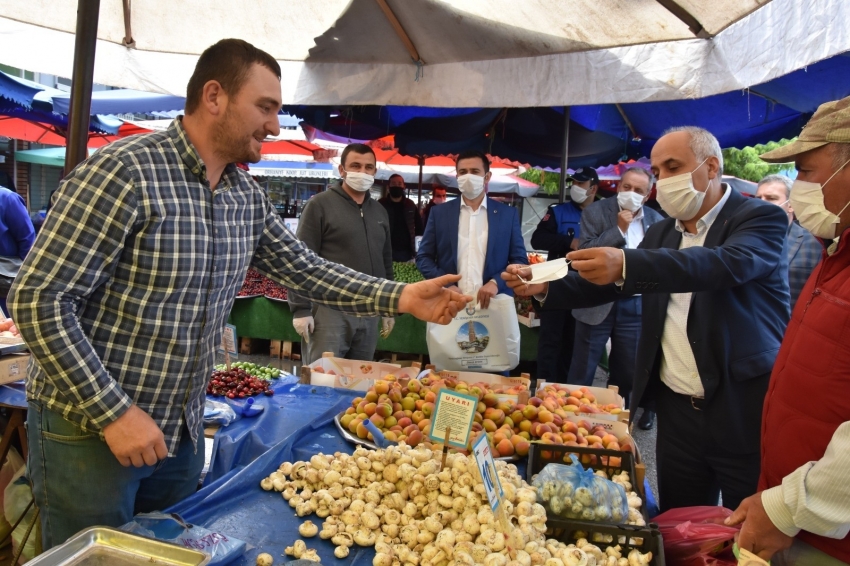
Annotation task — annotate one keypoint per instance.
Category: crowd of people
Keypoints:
(729, 319)
(741, 392)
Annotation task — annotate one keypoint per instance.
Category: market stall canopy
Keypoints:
(52, 156)
(464, 53)
(599, 133)
(293, 169)
(26, 111)
(28, 126)
(123, 101)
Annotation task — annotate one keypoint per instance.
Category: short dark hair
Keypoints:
(474, 153)
(360, 148)
(393, 176)
(229, 61)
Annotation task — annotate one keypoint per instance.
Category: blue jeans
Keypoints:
(622, 325)
(78, 483)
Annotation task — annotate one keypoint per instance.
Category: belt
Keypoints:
(697, 403)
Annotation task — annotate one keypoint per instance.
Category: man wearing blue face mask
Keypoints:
(715, 302)
(473, 236)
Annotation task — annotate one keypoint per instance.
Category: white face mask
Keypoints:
(360, 182)
(678, 197)
(630, 200)
(470, 185)
(807, 202)
(577, 194)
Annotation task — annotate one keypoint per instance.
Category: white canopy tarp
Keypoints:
(477, 53)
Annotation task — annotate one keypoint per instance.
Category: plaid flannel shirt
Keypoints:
(131, 279)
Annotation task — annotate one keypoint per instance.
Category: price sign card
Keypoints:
(484, 461)
(228, 341)
(455, 410)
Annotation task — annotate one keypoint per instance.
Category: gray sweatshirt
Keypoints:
(341, 231)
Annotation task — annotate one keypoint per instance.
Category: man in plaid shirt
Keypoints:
(124, 295)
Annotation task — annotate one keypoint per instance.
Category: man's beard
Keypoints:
(231, 145)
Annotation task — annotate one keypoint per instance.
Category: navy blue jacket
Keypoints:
(438, 249)
(739, 310)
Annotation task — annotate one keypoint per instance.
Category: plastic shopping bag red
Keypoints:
(696, 536)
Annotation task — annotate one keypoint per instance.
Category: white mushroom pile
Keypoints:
(415, 514)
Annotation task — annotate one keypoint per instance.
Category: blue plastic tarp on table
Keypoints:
(292, 406)
(235, 505)
(14, 394)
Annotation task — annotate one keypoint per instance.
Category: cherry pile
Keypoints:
(237, 384)
(258, 284)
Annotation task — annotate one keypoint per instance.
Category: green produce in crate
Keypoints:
(406, 272)
(256, 370)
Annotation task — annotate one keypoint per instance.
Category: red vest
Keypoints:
(809, 393)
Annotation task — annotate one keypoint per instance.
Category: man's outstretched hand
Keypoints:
(519, 286)
(431, 301)
(598, 265)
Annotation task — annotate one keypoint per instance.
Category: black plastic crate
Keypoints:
(645, 539)
(537, 461)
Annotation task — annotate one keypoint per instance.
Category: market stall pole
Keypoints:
(562, 184)
(85, 42)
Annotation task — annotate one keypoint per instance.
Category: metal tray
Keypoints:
(240, 297)
(354, 439)
(104, 546)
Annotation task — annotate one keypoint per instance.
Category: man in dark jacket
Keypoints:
(344, 225)
(473, 236)
(622, 223)
(803, 249)
(715, 305)
(405, 221)
(558, 233)
(438, 197)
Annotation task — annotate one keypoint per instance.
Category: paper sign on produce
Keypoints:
(487, 467)
(455, 410)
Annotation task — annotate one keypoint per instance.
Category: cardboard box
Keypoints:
(604, 396)
(495, 380)
(618, 429)
(531, 321)
(13, 367)
(356, 375)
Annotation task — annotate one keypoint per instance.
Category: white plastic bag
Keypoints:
(477, 339)
(13, 464)
(16, 497)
